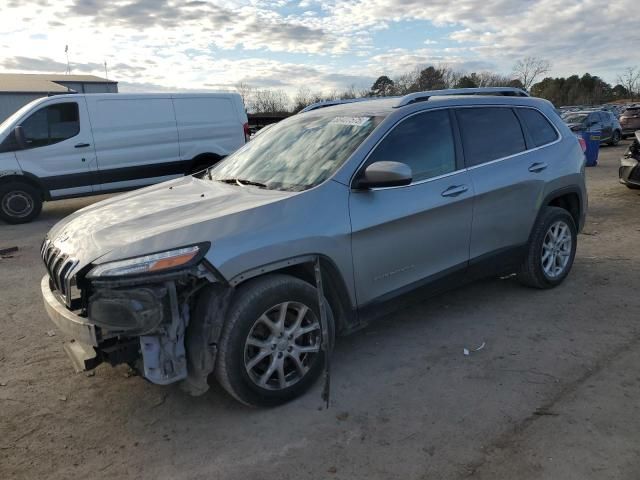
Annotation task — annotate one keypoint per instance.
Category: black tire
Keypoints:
(615, 138)
(20, 202)
(249, 303)
(532, 273)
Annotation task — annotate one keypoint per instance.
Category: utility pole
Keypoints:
(66, 52)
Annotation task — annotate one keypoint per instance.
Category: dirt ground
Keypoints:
(553, 395)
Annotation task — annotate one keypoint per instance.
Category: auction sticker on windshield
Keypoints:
(353, 121)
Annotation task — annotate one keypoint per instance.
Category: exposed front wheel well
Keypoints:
(334, 290)
(570, 202)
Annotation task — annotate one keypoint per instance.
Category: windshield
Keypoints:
(297, 153)
(4, 126)
(575, 117)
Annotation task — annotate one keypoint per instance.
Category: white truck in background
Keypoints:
(76, 145)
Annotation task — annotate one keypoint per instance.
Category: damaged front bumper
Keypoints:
(80, 349)
(143, 325)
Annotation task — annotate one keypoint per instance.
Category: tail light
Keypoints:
(582, 143)
(247, 132)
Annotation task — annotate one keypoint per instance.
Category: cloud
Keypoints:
(325, 44)
(29, 64)
(250, 27)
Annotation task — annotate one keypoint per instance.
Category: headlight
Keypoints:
(628, 162)
(156, 262)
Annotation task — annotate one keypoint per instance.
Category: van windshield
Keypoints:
(297, 153)
(4, 126)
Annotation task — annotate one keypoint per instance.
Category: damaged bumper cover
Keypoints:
(147, 324)
(68, 322)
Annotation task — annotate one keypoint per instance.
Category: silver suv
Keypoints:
(310, 230)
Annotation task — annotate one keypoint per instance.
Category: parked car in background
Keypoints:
(74, 145)
(311, 229)
(602, 120)
(630, 121)
(629, 172)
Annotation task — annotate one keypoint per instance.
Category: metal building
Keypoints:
(18, 89)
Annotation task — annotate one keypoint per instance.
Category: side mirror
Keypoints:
(384, 174)
(18, 135)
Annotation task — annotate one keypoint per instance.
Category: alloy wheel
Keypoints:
(282, 345)
(556, 249)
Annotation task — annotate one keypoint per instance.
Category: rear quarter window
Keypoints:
(489, 133)
(540, 129)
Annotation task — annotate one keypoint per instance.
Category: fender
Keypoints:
(302, 266)
(563, 191)
(8, 175)
(270, 267)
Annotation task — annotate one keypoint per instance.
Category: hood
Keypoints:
(156, 218)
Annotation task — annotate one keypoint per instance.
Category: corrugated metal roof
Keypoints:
(38, 83)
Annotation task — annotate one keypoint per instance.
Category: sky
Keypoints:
(156, 45)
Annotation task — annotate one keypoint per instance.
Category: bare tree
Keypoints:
(270, 101)
(530, 68)
(245, 90)
(630, 80)
(450, 76)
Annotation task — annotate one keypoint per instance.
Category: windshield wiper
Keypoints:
(241, 181)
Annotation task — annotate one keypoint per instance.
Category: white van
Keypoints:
(75, 145)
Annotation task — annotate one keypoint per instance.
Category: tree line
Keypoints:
(573, 90)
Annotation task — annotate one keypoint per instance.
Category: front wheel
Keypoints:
(19, 202)
(270, 349)
(551, 250)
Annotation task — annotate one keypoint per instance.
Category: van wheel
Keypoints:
(270, 348)
(551, 250)
(19, 202)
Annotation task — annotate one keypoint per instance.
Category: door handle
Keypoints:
(537, 167)
(454, 190)
(82, 145)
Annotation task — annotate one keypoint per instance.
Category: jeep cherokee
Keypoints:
(312, 229)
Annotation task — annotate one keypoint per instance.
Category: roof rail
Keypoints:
(329, 103)
(423, 96)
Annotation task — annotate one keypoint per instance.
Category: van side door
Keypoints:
(403, 237)
(508, 173)
(136, 141)
(59, 147)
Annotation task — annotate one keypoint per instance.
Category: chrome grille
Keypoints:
(60, 267)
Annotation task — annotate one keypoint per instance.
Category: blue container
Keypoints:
(592, 140)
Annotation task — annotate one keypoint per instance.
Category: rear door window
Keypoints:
(424, 142)
(540, 129)
(489, 133)
(51, 124)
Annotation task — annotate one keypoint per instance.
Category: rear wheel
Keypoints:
(551, 250)
(19, 202)
(615, 138)
(270, 349)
